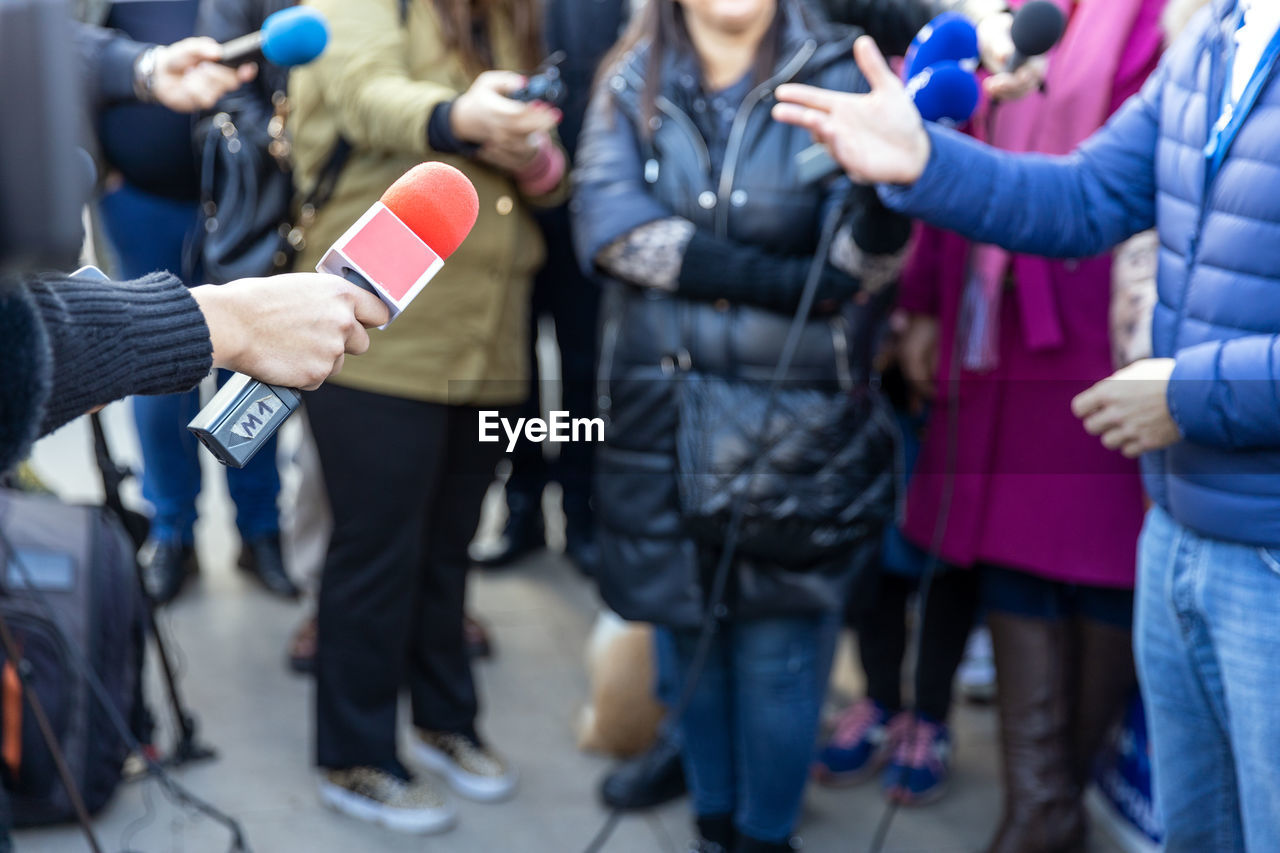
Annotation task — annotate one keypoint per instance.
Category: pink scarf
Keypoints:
(1076, 101)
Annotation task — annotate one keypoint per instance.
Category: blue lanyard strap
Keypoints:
(1232, 116)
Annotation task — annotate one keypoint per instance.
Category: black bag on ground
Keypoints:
(80, 564)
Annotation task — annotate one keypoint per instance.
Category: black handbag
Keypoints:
(246, 204)
(824, 484)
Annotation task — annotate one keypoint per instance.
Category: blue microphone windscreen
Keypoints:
(294, 36)
(945, 92)
(948, 37)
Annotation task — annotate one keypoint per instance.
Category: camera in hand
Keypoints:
(545, 84)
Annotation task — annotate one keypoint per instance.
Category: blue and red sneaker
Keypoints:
(921, 763)
(863, 740)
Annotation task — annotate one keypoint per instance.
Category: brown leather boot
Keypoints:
(1034, 669)
(1104, 683)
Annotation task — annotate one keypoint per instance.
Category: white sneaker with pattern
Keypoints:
(383, 798)
(472, 769)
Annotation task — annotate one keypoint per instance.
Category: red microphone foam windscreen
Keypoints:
(437, 202)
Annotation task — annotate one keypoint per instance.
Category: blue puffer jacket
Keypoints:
(1219, 272)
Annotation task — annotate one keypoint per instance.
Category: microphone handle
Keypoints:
(1016, 61)
(359, 281)
(246, 412)
(243, 49)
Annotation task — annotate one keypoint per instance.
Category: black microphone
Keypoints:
(1036, 29)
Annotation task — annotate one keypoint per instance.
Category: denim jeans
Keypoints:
(1207, 640)
(749, 734)
(149, 233)
(667, 684)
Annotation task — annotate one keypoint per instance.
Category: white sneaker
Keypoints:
(380, 797)
(976, 676)
(472, 769)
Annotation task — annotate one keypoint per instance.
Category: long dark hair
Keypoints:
(464, 25)
(661, 26)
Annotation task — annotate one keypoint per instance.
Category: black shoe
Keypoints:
(715, 834)
(264, 560)
(171, 565)
(523, 535)
(752, 845)
(648, 780)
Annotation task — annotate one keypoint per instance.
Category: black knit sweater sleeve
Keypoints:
(108, 340)
(715, 268)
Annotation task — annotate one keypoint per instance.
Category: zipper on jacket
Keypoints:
(1217, 82)
(682, 118)
(840, 342)
(738, 130)
(608, 349)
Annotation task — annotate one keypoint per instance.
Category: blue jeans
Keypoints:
(1207, 640)
(667, 684)
(749, 734)
(149, 233)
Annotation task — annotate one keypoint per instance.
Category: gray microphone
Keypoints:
(1035, 30)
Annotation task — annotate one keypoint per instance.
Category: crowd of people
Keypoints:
(932, 378)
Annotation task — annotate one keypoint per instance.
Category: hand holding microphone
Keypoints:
(1013, 48)
(301, 335)
(290, 330)
(185, 77)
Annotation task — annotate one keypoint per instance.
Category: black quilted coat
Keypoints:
(651, 569)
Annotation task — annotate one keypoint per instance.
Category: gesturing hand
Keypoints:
(188, 78)
(1130, 408)
(292, 330)
(878, 137)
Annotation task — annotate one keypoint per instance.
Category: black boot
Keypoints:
(171, 565)
(522, 535)
(1034, 664)
(264, 559)
(715, 834)
(648, 780)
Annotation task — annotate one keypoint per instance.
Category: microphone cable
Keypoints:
(716, 611)
(932, 565)
(174, 791)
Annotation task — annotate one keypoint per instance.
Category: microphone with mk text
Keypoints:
(290, 37)
(392, 251)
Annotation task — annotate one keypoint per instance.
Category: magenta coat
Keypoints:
(1032, 490)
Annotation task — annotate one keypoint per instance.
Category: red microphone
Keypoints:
(392, 252)
(401, 242)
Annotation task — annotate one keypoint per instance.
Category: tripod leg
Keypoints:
(188, 748)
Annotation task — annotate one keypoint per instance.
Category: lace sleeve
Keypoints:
(873, 271)
(650, 255)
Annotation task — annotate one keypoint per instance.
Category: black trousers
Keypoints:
(572, 301)
(405, 481)
(949, 612)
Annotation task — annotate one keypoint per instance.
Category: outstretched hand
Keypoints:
(878, 137)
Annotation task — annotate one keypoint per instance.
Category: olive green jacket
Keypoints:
(464, 340)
